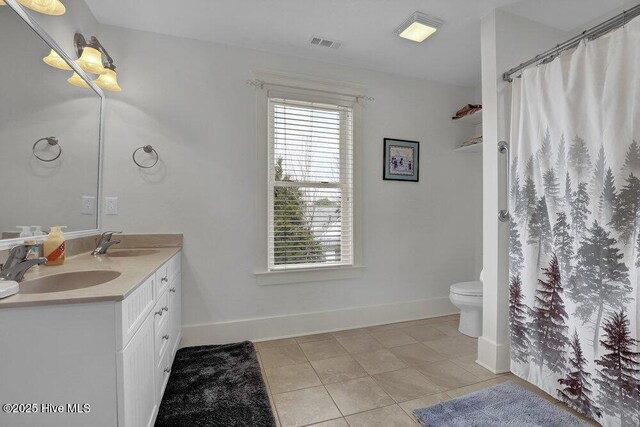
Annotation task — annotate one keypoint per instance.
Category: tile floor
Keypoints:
(373, 376)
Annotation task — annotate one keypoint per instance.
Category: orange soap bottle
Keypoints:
(53, 247)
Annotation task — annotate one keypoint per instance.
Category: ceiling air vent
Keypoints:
(324, 42)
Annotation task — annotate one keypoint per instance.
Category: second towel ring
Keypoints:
(146, 149)
(52, 141)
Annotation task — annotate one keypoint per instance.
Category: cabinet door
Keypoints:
(175, 314)
(137, 404)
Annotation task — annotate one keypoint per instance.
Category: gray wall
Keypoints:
(189, 99)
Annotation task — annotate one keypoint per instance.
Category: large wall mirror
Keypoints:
(50, 140)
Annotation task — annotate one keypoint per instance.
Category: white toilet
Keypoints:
(467, 296)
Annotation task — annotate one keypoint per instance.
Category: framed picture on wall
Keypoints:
(401, 160)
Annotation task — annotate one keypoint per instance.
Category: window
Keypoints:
(310, 185)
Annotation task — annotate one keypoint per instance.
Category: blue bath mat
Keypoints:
(504, 405)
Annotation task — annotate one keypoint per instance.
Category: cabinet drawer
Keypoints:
(132, 311)
(163, 370)
(167, 273)
(162, 338)
(161, 311)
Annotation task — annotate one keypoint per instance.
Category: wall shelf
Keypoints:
(475, 148)
(471, 119)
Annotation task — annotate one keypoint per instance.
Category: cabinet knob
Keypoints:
(164, 279)
(165, 337)
(172, 290)
(159, 312)
(165, 308)
(167, 370)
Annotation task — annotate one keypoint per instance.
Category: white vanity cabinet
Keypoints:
(115, 356)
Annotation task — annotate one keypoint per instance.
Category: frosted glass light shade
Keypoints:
(54, 60)
(108, 81)
(417, 32)
(76, 80)
(48, 7)
(91, 61)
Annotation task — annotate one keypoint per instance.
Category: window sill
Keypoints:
(308, 275)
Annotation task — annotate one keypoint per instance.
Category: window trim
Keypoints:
(279, 85)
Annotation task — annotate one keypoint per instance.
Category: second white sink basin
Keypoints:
(67, 281)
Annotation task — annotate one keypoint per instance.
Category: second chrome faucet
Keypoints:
(105, 242)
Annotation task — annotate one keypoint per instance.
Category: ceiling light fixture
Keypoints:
(418, 27)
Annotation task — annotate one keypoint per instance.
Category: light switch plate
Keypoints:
(88, 205)
(111, 206)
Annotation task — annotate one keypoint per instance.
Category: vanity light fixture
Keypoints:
(78, 81)
(47, 7)
(108, 80)
(94, 58)
(54, 60)
(418, 27)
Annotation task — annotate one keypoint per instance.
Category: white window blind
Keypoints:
(310, 187)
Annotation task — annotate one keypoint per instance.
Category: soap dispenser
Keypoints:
(53, 247)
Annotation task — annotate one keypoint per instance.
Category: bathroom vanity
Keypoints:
(97, 355)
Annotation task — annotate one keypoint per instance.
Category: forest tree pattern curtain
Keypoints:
(575, 227)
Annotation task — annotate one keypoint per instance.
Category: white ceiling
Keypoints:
(364, 27)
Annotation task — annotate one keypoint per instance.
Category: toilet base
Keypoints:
(471, 322)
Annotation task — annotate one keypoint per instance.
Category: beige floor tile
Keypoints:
(358, 395)
(389, 416)
(339, 422)
(454, 346)
(423, 402)
(314, 337)
(303, 407)
(423, 332)
(447, 374)
(273, 409)
(349, 332)
(318, 350)
(448, 328)
(478, 386)
(282, 356)
(381, 328)
(415, 354)
(468, 363)
(406, 384)
(359, 343)
(291, 377)
(393, 338)
(338, 369)
(274, 343)
(442, 319)
(376, 362)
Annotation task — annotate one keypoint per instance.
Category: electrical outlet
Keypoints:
(111, 206)
(88, 205)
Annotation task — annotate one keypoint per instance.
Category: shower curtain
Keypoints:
(574, 230)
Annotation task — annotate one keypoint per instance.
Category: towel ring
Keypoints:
(52, 141)
(146, 149)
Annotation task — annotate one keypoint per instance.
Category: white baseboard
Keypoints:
(310, 323)
(493, 356)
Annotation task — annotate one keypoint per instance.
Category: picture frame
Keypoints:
(401, 160)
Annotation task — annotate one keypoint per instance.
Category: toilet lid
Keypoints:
(467, 288)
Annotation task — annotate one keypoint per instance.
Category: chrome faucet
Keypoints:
(105, 242)
(17, 263)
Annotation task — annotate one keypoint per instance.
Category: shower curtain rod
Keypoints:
(590, 34)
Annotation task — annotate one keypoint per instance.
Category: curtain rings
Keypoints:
(51, 141)
(147, 149)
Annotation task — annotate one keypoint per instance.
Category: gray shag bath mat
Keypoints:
(216, 385)
(504, 405)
